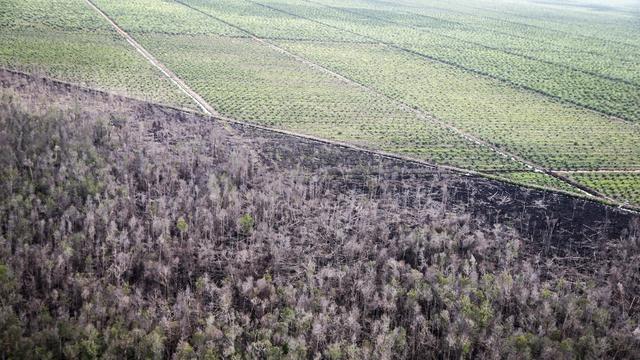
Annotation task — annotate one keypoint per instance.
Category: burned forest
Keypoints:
(133, 230)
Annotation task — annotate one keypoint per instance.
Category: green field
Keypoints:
(485, 86)
(624, 187)
(544, 69)
(67, 40)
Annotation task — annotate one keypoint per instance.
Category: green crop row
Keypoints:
(621, 186)
(568, 20)
(69, 41)
(606, 58)
(602, 58)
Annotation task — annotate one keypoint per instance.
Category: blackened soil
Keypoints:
(554, 222)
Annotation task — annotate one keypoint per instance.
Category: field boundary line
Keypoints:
(599, 171)
(206, 108)
(515, 85)
(379, 153)
(422, 115)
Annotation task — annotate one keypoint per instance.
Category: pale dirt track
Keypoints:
(204, 106)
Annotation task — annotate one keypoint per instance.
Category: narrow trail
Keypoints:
(206, 108)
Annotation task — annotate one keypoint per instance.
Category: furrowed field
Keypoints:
(485, 86)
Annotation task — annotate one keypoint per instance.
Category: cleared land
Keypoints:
(455, 84)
